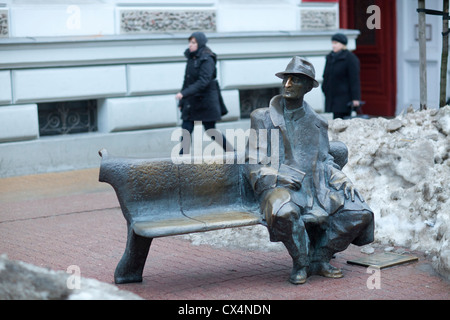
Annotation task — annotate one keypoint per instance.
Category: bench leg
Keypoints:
(131, 265)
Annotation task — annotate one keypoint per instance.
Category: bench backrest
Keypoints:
(161, 189)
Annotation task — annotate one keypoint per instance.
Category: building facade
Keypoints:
(77, 76)
(388, 49)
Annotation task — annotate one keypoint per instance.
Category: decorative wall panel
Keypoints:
(149, 21)
(318, 19)
(4, 29)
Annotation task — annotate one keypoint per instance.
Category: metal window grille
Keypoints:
(58, 118)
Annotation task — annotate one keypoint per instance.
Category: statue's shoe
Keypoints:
(298, 276)
(327, 270)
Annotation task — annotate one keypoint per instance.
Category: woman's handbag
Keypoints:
(223, 108)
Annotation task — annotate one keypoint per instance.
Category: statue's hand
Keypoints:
(340, 181)
(350, 191)
(263, 179)
(290, 177)
(289, 182)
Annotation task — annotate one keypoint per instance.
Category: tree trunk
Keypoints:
(423, 56)
(444, 58)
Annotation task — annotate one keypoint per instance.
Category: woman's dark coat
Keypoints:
(200, 94)
(341, 82)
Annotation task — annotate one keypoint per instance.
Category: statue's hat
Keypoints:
(299, 66)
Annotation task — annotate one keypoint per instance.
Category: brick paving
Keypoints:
(62, 219)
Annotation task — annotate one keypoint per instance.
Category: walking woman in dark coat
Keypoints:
(341, 81)
(199, 96)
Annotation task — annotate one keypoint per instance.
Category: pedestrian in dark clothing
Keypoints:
(341, 81)
(199, 96)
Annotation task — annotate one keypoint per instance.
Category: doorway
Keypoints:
(377, 52)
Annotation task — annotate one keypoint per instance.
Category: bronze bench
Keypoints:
(159, 198)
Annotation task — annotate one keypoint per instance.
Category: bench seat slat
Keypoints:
(169, 227)
(184, 225)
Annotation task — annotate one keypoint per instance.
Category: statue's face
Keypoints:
(295, 87)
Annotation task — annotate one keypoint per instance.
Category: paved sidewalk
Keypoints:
(61, 219)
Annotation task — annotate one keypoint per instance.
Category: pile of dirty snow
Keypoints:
(402, 168)
(24, 281)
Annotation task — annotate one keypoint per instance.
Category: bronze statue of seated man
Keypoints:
(307, 202)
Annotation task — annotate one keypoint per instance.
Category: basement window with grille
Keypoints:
(59, 118)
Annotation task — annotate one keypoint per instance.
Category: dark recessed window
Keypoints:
(67, 117)
(255, 98)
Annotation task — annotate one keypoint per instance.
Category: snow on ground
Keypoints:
(402, 168)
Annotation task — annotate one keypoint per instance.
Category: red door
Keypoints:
(376, 50)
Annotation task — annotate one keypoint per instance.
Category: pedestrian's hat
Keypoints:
(339, 37)
(200, 37)
(299, 66)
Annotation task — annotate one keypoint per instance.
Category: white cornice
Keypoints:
(152, 48)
